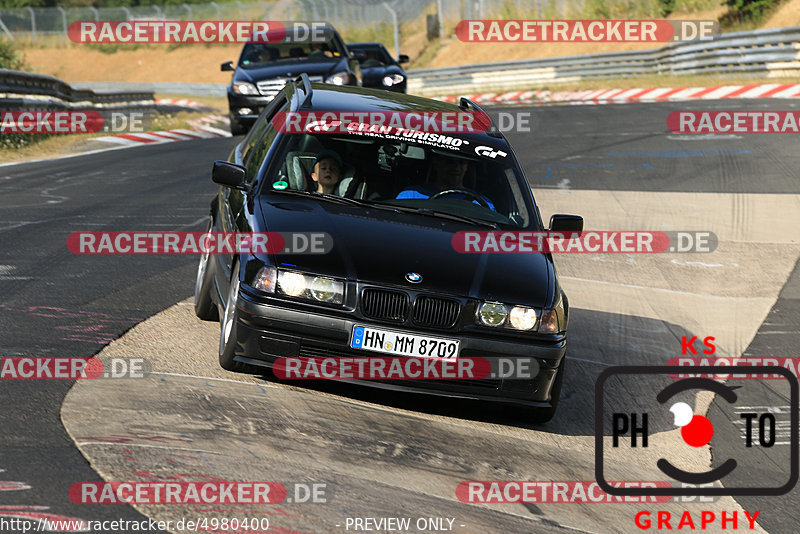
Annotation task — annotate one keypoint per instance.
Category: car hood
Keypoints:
(381, 247)
(289, 70)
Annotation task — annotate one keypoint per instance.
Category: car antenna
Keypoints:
(466, 104)
(309, 92)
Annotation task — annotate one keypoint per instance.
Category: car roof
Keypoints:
(329, 97)
(365, 45)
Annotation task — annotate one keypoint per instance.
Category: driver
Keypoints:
(448, 175)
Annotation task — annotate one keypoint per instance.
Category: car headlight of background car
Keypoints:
(244, 88)
(338, 78)
(299, 285)
(393, 79)
(522, 318)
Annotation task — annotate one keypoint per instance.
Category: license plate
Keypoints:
(403, 343)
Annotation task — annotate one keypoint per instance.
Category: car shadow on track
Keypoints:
(597, 340)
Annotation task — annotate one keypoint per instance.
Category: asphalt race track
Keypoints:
(382, 454)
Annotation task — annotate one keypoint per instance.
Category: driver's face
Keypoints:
(449, 171)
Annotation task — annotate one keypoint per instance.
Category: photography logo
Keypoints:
(631, 431)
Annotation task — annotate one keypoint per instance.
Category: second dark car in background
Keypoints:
(264, 68)
(379, 69)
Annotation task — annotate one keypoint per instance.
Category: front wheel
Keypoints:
(204, 306)
(227, 334)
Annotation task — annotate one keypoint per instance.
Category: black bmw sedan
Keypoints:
(391, 205)
(378, 68)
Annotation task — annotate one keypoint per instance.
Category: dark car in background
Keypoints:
(378, 68)
(392, 268)
(264, 68)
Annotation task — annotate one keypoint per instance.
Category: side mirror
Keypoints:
(227, 66)
(566, 223)
(402, 58)
(229, 174)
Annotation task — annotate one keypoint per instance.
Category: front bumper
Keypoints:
(266, 332)
(256, 103)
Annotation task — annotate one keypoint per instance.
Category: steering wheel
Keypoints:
(482, 201)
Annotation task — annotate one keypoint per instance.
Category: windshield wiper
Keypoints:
(392, 207)
(324, 196)
(438, 214)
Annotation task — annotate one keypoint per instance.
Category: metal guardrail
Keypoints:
(773, 52)
(24, 90)
(162, 88)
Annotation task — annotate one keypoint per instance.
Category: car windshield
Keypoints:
(372, 56)
(432, 174)
(255, 55)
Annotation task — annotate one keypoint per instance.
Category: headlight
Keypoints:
(393, 79)
(522, 318)
(327, 290)
(265, 279)
(338, 78)
(492, 313)
(292, 284)
(244, 88)
(541, 320)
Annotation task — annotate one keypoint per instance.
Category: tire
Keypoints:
(543, 415)
(227, 326)
(204, 306)
(237, 128)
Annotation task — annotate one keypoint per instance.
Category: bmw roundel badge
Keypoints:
(414, 278)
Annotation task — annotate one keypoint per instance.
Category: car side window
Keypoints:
(261, 134)
(260, 147)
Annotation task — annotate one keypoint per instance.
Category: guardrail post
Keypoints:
(96, 13)
(64, 20)
(127, 13)
(244, 12)
(266, 9)
(439, 13)
(219, 13)
(314, 12)
(5, 30)
(393, 13)
(159, 13)
(188, 10)
(33, 23)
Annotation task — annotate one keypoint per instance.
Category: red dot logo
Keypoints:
(698, 432)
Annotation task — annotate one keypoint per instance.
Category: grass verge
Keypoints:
(24, 147)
